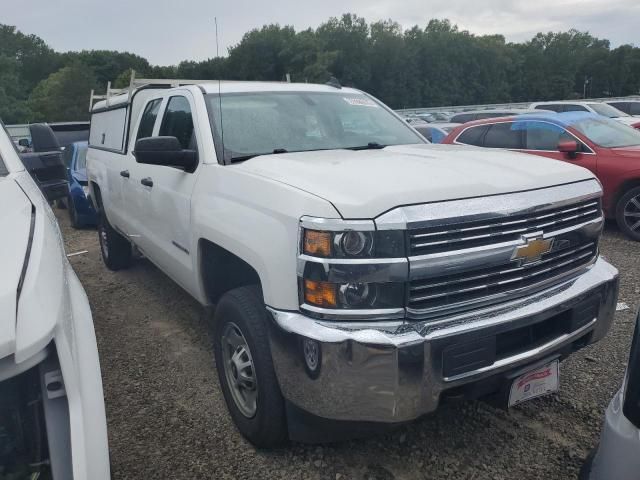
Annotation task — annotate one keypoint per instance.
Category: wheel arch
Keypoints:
(626, 185)
(96, 197)
(221, 270)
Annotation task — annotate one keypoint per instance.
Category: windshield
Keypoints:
(607, 133)
(81, 162)
(3, 168)
(262, 123)
(607, 110)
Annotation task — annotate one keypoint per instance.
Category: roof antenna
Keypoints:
(215, 19)
(333, 82)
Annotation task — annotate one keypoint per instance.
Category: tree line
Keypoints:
(435, 65)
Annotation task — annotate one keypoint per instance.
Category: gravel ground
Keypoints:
(167, 417)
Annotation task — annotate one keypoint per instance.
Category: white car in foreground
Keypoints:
(52, 417)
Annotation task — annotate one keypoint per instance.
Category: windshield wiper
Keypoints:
(368, 146)
(242, 158)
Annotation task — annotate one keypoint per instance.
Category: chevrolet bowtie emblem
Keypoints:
(533, 250)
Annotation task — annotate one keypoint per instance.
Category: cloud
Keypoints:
(166, 32)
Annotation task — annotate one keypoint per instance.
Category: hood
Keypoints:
(15, 225)
(365, 184)
(80, 175)
(628, 120)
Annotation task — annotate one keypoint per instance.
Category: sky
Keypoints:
(166, 32)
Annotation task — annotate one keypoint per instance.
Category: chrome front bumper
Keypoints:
(392, 371)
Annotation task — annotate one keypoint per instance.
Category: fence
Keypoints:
(493, 106)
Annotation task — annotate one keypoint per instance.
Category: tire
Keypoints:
(116, 249)
(242, 311)
(73, 215)
(628, 214)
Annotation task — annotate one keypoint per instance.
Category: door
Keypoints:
(163, 196)
(543, 138)
(133, 203)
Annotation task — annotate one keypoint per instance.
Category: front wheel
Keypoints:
(245, 368)
(116, 249)
(628, 213)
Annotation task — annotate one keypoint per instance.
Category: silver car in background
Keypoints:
(618, 455)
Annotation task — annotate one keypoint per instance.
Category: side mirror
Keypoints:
(165, 151)
(570, 147)
(24, 142)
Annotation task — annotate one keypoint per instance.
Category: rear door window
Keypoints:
(633, 108)
(178, 122)
(504, 135)
(148, 119)
(473, 135)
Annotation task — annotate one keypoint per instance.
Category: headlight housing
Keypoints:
(350, 267)
(353, 243)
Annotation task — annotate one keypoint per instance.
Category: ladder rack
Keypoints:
(136, 83)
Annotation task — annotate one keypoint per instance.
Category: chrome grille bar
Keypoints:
(470, 277)
(487, 232)
(445, 292)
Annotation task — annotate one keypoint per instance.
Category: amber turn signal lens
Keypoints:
(320, 294)
(317, 243)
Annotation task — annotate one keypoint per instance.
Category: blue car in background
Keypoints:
(81, 212)
(431, 132)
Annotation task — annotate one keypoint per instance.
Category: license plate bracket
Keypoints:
(535, 383)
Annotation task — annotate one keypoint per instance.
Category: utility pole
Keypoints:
(584, 89)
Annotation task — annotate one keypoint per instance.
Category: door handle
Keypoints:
(125, 173)
(147, 182)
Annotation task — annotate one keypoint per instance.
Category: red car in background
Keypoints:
(608, 148)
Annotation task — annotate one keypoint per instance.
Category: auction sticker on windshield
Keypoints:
(360, 102)
(535, 383)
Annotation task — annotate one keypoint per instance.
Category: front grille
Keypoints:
(442, 292)
(443, 238)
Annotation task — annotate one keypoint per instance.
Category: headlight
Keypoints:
(352, 295)
(357, 294)
(348, 268)
(353, 244)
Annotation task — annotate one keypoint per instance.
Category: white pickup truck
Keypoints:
(361, 276)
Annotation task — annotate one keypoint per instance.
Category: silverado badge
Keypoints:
(533, 250)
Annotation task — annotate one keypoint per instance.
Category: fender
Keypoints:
(261, 229)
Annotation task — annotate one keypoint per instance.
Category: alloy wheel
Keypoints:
(632, 214)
